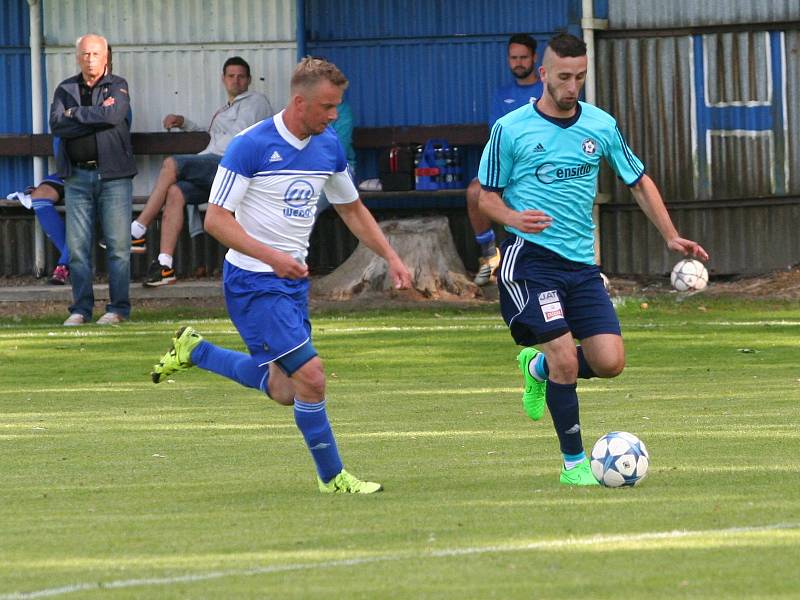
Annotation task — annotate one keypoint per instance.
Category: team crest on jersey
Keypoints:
(589, 146)
(297, 196)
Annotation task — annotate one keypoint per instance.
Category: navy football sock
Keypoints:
(238, 366)
(584, 370)
(562, 401)
(312, 421)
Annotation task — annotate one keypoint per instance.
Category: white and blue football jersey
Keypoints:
(541, 163)
(271, 181)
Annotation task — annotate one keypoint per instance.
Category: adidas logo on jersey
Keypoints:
(275, 157)
(538, 148)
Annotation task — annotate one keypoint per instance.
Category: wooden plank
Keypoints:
(190, 142)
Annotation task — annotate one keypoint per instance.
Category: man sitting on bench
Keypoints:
(187, 178)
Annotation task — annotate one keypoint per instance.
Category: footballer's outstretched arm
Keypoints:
(649, 200)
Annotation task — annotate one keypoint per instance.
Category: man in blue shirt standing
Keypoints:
(525, 87)
(539, 175)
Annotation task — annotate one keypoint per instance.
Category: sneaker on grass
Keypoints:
(179, 356)
(344, 483)
(533, 396)
(580, 474)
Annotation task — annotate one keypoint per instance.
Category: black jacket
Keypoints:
(110, 124)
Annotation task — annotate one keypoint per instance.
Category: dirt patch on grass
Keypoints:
(778, 285)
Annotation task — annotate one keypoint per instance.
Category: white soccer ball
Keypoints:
(689, 275)
(619, 459)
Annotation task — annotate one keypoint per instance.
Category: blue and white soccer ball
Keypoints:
(689, 275)
(619, 459)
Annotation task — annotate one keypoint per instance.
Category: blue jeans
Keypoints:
(87, 198)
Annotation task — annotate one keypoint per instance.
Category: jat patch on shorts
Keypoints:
(543, 295)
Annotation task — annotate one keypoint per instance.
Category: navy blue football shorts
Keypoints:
(196, 174)
(543, 295)
(271, 315)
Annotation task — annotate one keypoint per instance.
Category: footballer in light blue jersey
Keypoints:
(262, 206)
(539, 177)
(544, 163)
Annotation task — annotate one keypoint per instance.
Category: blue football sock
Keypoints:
(486, 242)
(562, 401)
(541, 371)
(238, 366)
(53, 226)
(584, 370)
(312, 421)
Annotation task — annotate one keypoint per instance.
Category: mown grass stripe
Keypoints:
(673, 539)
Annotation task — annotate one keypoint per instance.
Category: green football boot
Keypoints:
(580, 474)
(533, 396)
(179, 357)
(344, 483)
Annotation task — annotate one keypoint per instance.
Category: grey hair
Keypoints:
(94, 35)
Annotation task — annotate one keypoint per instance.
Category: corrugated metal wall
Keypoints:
(172, 54)
(657, 14)
(711, 113)
(422, 62)
(15, 81)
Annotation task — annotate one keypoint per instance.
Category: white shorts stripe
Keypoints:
(513, 289)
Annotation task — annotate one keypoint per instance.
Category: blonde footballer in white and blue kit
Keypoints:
(262, 207)
(539, 176)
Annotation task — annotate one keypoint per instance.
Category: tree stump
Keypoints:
(426, 247)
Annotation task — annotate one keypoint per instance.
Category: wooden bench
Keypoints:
(189, 142)
(327, 250)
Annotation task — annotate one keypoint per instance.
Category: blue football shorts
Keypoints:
(271, 315)
(543, 295)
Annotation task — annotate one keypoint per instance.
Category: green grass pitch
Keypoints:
(114, 487)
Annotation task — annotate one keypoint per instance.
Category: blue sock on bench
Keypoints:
(53, 226)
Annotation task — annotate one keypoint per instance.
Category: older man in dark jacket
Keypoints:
(90, 113)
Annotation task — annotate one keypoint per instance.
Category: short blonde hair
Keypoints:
(90, 35)
(311, 71)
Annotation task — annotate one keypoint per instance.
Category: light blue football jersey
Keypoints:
(537, 162)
